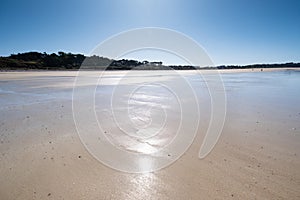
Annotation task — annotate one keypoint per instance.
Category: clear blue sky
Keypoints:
(231, 31)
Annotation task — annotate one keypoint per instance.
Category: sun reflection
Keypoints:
(143, 148)
(143, 185)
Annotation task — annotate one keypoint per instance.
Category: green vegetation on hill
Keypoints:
(69, 61)
(36, 60)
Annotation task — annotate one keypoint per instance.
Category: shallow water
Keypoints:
(142, 111)
(274, 91)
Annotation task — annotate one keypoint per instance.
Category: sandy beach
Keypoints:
(256, 157)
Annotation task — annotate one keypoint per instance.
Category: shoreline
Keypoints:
(184, 70)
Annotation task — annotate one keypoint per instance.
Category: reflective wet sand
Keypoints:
(256, 157)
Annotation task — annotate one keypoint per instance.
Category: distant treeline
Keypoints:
(69, 61)
(282, 65)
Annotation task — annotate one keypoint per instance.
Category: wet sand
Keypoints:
(256, 157)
